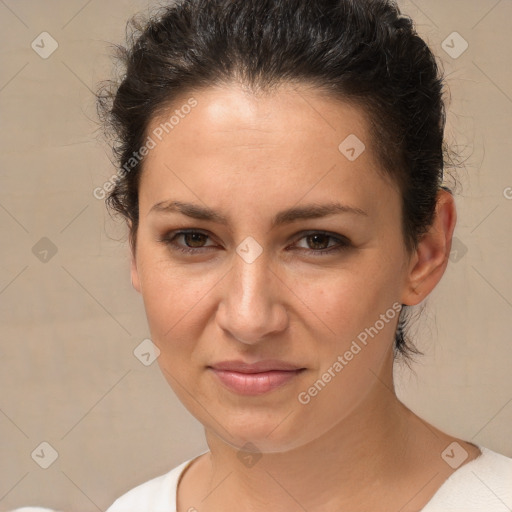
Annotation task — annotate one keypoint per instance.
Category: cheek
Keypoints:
(173, 303)
(178, 305)
(176, 297)
(353, 297)
(172, 298)
(359, 311)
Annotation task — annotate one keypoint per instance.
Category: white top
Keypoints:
(482, 485)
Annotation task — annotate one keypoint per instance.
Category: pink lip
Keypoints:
(257, 378)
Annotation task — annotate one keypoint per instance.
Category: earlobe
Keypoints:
(431, 255)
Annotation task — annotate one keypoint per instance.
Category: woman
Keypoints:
(281, 172)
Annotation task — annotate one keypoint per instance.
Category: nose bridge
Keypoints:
(251, 275)
(251, 305)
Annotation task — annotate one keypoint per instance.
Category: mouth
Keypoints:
(255, 379)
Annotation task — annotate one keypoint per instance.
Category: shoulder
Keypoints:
(485, 483)
(158, 493)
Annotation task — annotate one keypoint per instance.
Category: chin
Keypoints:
(260, 431)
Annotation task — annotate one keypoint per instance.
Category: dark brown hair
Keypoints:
(360, 51)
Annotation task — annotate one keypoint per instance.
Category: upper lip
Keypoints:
(259, 367)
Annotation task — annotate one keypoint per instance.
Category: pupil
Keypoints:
(197, 237)
(316, 237)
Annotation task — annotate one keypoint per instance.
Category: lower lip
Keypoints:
(254, 383)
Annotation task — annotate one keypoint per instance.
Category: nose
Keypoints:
(251, 308)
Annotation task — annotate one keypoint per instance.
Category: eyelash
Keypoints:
(169, 240)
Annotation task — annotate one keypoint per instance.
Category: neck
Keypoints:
(363, 456)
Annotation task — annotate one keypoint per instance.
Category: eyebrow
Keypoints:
(313, 211)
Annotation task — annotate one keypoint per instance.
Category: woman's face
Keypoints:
(274, 270)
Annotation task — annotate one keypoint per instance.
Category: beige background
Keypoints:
(70, 325)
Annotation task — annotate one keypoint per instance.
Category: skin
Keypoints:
(354, 446)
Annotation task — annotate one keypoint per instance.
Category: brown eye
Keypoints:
(194, 239)
(321, 243)
(318, 241)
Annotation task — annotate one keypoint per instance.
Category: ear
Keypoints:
(134, 273)
(430, 258)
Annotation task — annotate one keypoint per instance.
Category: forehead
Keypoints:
(286, 144)
(232, 115)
